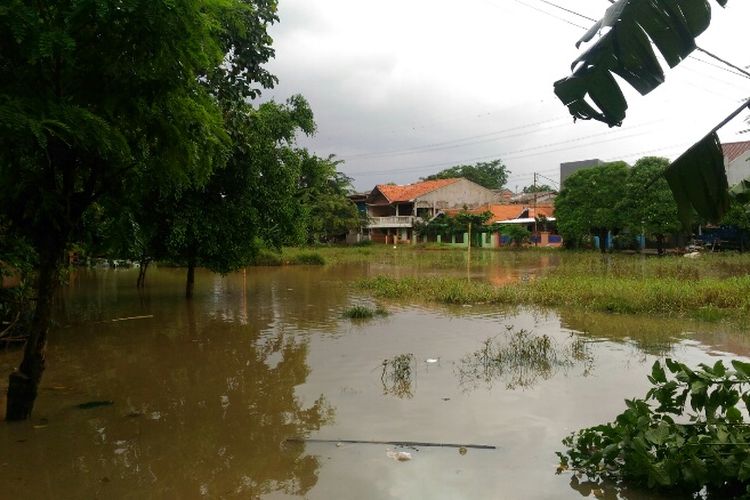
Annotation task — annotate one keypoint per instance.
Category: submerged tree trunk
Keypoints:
(660, 244)
(145, 261)
(190, 284)
(23, 384)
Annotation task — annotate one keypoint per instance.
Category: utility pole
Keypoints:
(536, 230)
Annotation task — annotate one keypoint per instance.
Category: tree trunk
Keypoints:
(23, 384)
(660, 244)
(190, 284)
(145, 261)
(603, 240)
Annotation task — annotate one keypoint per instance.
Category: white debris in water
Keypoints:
(399, 456)
(432, 360)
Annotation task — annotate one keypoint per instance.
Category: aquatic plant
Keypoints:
(308, 258)
(363, 312)
(687, 436)
(521, 359)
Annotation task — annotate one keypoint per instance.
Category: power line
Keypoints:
(513, 155)
(467, 141)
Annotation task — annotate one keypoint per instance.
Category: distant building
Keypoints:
(546, 197)
(736, 161)
(393, 209)
(566, 169)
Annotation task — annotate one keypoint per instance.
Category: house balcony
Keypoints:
(392, 221)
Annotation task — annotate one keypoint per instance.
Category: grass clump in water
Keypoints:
(361, 312)
(521, 359)
(308, 259)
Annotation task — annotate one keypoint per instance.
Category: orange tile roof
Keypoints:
(508, 211)
(411, 191)
(732, 150)
(545, 210)
(499, 212)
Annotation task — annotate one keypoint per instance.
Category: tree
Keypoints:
(99, 95)
(249, 202)
(323, 190)
(647, 206)
(697, 178)
(517, 233)
(587, 204)
(490, 174)
(539, 188)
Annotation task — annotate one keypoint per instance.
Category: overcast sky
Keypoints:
(402, 89)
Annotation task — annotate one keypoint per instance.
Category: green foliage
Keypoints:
(248, 203)
(539, 188)
(648, 205)
(517, 233)
(364, 312)
(687, 434)
(328, 213)
(588, 202)
(309, 259)
(490, 174)
(713, 287)
(520, 359)
(447, 226)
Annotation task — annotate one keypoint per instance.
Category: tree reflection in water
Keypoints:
(397, 376)
(201, 407)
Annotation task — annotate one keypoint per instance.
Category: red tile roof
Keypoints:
(499, 212)
(545, 210)
(507, 212)
(732, 150)
(411, 191)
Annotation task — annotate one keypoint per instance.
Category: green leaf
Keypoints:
(699, 182)
(626, 50)
(657, 373)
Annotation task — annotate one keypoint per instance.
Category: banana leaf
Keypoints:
(626, 50)
(699, 182)
(741, 191)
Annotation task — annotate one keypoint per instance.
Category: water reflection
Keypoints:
(205, 393)
(397, 374)
(203, 400)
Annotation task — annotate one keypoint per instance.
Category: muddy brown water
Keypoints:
(205, 393)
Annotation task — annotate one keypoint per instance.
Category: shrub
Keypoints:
(658, 442)
(308, 258)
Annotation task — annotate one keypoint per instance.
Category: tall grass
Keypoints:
(707, 298)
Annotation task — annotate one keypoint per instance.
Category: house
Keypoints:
(394, 209)
(736, 161)
(542, 197)
(539, 220)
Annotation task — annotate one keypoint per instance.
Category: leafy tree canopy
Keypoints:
(98, 98)
(588, 201)
(650, 206)
(539, 188)
(491, 174)
(323, 193)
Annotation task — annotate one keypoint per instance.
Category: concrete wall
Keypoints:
(456, 195)
(566, 169)
(738, 169)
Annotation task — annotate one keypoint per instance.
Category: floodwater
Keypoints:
(205, 394)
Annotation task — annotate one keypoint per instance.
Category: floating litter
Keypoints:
(399, 456)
